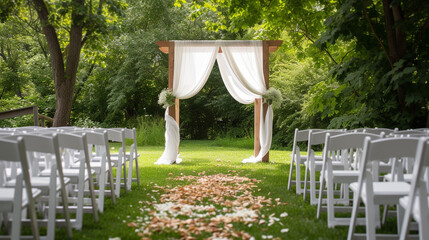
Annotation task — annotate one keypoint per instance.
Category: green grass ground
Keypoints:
(199, 156)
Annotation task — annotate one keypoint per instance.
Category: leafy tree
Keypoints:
(378, 52)
(67, 26)
(384, 82)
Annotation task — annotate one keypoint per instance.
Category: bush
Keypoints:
(150, 131)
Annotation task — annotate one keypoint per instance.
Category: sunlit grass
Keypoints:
(199, 156)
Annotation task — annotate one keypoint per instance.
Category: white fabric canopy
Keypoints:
(241, 68)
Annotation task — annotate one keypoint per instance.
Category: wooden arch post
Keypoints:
(168, 47)
(267, 47)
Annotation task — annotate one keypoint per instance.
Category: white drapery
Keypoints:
(241, 68)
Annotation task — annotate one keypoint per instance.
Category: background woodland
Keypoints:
(343, 63)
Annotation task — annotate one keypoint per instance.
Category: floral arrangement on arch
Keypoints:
(274, 97)
(166, 98)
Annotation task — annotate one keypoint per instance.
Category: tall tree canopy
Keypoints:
(378, 50)
(67, 26)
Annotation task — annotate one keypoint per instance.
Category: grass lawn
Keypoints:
(199, 156)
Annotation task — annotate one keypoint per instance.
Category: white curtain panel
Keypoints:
(242, 64)
(172, 141)
(234, 86)
(193, 63)
(241, 68)
(245, 60)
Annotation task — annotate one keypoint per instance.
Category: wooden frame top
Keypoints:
(273, 45)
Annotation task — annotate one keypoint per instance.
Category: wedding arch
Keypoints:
(244, 67)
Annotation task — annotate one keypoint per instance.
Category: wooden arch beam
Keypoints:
(268, 46)
(273, 45)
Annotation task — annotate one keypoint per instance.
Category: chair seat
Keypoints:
(72, 173)
(416, 210)
(385, 192)
(303, 157)
(40, 182)
(344, 176)
(336, 165)
(7, 198)
(97, 166)
(407, 177)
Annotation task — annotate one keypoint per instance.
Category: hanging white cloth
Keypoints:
(241, 67)
(245, 60)
(265, 133)
(172, 141)
(234, 86)
(193, 63)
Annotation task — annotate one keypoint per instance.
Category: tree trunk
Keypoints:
(64, 76)
(396, 40)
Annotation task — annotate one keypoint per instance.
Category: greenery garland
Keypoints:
(166, 98)
(274, 97)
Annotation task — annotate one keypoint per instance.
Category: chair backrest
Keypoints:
(411, 132)
(317, 138)
(387, 148)
(302, 135)
(380, 130)
(98, 138)
(114, 135)
(348, 140)
(12, 150)
(39, 143)
(72, 141)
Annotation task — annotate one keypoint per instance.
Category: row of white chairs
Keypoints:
(57, 166)
(378, 166)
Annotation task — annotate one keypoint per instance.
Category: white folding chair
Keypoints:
(71, 145)
(297, 159)
(131, 156)
(118, 160)
(50, 186)
(416, 203)
(348, 147)
(101, 164)
(373, 193)
(14, 199)
(312, 165)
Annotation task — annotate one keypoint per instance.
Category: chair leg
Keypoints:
(305, 181)
(320, 199)
(137, 171)
(130, 173)
(312, 185)
(52, 205)
(370, 217)
(289, 182)
(298, 177)
(102, 187)
(353, 219)
(124, 167)
(400, 213)
(118, 179)
(17, 211)
(385, 212)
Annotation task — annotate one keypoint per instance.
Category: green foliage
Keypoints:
(150, 131)
(14, 103)
(373, 93)
(295, 78)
